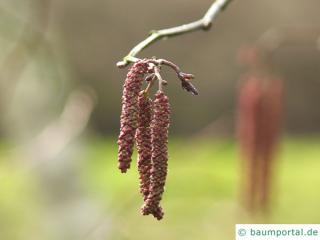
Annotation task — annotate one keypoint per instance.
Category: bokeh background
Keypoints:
(60, 94)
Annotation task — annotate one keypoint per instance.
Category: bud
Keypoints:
(129, 113)
(159, 140)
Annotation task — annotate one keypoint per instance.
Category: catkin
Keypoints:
(248, 115)
(143, 141)
(159, 158)
(259, 125)
(129, 113)
(248, 135)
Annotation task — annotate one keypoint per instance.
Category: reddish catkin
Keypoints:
(143, 140)
(259, 122)
(270, 124)
(159, 140)
(247, 126)
(129, 113)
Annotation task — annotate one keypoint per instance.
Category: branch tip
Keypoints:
(122, 64)
(204, 23)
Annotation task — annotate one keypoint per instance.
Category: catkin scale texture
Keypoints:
(159, 158)
(143, 141)
(129, 113)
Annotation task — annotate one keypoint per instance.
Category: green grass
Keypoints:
(201, 200)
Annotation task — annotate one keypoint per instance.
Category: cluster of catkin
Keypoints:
(259, 120)
(145, 122)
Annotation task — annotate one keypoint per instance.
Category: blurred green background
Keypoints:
(60, 94)
(201, 199)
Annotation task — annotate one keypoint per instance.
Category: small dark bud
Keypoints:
(186, 85)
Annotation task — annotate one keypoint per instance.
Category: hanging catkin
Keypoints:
(143, 140)
(146, 123)
(247, 127)
(159, 139)
(259, 126)
(129, 113)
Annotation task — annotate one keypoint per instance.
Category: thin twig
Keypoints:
(150, 84)
(202, 24)
(158, 75)
(185, 78)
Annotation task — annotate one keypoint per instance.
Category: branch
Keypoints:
(202, 24)
(185, 78)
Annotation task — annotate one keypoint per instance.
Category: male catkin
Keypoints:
(143, 141)
(129, 113)
(159, 140)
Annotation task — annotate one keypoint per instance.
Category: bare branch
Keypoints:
(203, 24)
